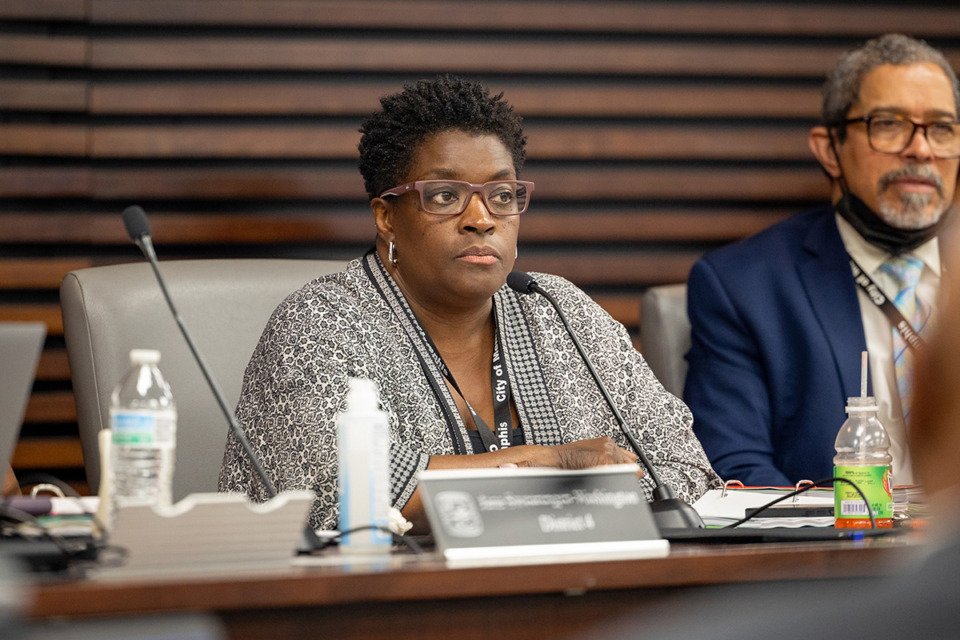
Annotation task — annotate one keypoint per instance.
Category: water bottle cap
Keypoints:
(144, 356)
(862, 403)
(362, 395)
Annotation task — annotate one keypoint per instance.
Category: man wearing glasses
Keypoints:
(779, 320)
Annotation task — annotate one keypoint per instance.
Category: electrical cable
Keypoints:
(796, 492)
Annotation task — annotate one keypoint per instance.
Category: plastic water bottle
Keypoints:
(863, 457)
(143, 422)
(364, 460)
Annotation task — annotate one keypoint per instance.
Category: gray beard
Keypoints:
(912, 214)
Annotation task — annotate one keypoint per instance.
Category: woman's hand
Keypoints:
(592, 453)
(580, 454)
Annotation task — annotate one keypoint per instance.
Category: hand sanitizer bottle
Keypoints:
(364, 459)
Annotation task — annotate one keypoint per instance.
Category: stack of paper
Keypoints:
(721, 507)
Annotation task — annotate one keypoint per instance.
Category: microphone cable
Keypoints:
(808, 487)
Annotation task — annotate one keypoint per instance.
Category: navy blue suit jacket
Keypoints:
(776, 336)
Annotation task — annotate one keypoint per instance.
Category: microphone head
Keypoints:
(521, 282)
(135, 220)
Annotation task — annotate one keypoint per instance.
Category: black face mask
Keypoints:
(878, 233)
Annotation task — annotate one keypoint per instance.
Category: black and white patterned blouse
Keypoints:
(356, 323)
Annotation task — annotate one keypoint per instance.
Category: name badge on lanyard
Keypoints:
(499, 437)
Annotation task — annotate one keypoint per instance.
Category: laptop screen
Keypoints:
(20, 346)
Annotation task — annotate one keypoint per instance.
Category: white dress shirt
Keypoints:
(878, 332)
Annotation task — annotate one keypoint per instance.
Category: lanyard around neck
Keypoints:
(500, 385)
(877, 297)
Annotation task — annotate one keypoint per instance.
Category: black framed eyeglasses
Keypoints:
(893, 134)
(450, 197)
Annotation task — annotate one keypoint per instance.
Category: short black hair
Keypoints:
(392, 135)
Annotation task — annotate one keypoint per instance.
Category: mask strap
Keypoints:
(843, 178)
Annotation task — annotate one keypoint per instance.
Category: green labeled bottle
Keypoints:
(863, 457)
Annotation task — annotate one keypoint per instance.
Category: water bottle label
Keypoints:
(143, 428)
(875, 482)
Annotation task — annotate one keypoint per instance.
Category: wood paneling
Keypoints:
(625, 267)
(47, 313)
(43, 140)
(38, 273)
(58, 51)
(596, 97)
(463, 55)
(542, 225)
(573, 142)
(647, 225)
(43, 95)
(677, 183)
(51, 406)
(791, 18)
(52, 10)
(583, 142)
(45, 182)
(589, 183)
(657, 130)
(53, 365)
(51, 452)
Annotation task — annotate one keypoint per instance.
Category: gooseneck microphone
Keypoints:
(669, 511)
(138, 228)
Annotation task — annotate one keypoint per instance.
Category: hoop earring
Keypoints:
(392, 254)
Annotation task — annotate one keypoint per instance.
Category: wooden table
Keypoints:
(424, 599)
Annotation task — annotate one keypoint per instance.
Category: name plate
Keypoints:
(481, 516)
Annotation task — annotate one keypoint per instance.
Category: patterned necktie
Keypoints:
(906, 271)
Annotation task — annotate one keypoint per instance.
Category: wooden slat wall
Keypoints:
(657, 130)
